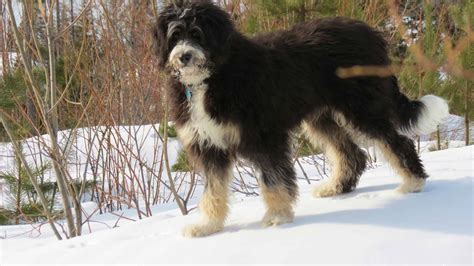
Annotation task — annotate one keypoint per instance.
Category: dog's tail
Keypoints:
(421, 116)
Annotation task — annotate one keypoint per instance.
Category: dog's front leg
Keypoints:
(217, 166)
(278, 186)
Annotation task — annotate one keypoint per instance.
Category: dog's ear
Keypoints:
(218, 28)
(160, 43)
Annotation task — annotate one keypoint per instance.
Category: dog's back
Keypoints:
(340, 41)
(324, 46)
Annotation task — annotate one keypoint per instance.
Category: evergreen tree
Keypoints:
(459, 90)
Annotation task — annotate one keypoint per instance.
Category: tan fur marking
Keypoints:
(214, 207)
(279, 206)
(330, 187)
(214, 201)
(409, 183)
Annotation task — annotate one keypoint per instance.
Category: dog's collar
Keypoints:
(187, 92)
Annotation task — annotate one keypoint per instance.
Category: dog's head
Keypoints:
(191, 39)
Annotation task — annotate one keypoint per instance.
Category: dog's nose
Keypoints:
(185, 58)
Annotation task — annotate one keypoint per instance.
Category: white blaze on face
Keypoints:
(194, 71)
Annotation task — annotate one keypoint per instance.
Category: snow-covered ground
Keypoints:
(453, 128)
(373, 224)
(12, 58)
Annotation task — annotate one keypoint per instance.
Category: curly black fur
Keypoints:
(267, 86)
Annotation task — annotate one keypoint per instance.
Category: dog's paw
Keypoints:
(411, 186)
(202, 229)
(277, 218)
(327, 189)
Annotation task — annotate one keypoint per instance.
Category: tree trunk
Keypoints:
(438, 138)
(301, 12)
(28, 11)
(467, 97)
(181, 204)
(3, 41)
(53, 114)
(49, 119)
(58, 28)
(72, 20)
(18, 191)
(58, 157)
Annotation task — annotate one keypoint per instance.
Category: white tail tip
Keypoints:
(433, 113)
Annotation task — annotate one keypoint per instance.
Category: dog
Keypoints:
(233, 96)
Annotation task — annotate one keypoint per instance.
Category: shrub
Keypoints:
(6, 216)
(434, 146)
(23, 203)
(305, 148)
(181, 164)
(171, 130)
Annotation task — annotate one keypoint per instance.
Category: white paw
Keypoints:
(277, 218)
(202, 229)
(411, 186)
(327, 189)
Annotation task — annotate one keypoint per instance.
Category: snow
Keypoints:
(373, 224)
(453, 128)
(12, 60)
(140, 145)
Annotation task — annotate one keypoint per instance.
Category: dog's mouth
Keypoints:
(191, 75)
(189, 63)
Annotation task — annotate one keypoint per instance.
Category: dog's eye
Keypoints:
(196, 35)
(175, 36)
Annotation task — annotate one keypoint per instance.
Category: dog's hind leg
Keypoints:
(347, 160)
(397, 149)
(400, 152)
(278, 184)
(217, 166)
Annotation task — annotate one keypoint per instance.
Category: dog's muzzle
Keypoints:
(188, 61)
(185, 54)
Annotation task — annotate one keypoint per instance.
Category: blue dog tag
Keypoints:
(188, 93)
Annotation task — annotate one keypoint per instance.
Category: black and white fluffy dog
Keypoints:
(234, 96)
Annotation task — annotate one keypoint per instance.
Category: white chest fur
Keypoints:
(204, 130)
